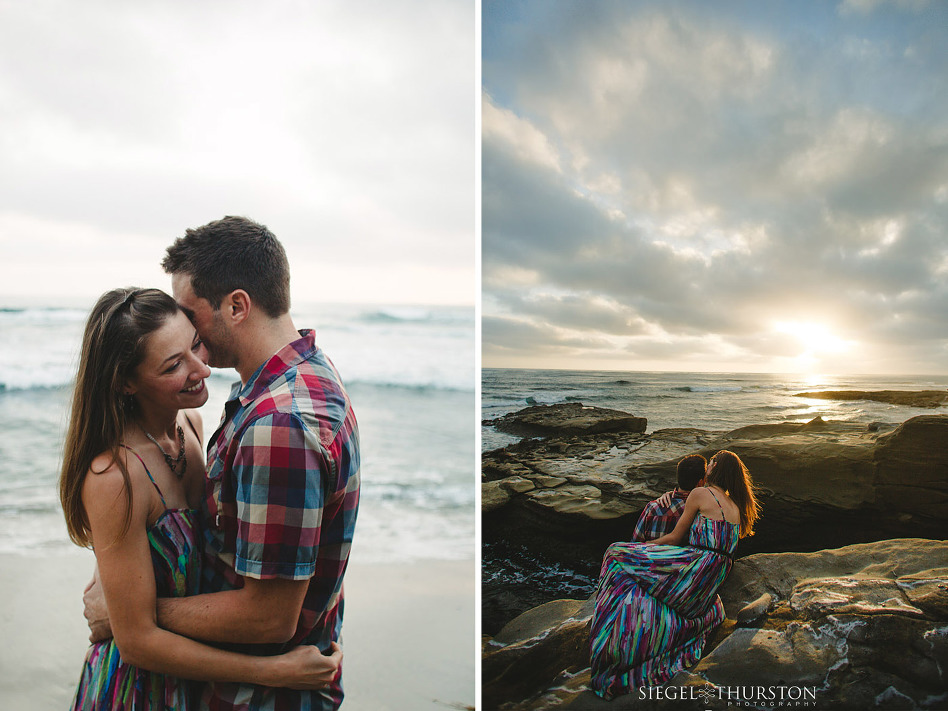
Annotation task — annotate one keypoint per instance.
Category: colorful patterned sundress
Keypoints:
(106, 681)
(656, 605)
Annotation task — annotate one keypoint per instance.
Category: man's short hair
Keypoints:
(691, 470)
(229, 254)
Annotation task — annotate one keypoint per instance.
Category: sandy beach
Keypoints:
(408, 636)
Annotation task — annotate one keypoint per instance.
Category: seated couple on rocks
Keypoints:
(657, 599)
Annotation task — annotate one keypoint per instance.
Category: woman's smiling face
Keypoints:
(172, 373)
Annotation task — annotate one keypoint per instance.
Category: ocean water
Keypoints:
(410, 375)
(708, 401)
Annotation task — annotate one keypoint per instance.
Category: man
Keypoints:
(659, 518)
(282, 488)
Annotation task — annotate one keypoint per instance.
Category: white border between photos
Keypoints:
(477, 351)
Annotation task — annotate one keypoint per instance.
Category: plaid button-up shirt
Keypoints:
(656, 520)
(281, 502)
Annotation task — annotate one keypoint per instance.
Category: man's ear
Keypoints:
(235, 307)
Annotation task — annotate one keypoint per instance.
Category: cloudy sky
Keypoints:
(720, 186)
(346, 127)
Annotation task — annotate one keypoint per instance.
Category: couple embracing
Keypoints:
(216, 587)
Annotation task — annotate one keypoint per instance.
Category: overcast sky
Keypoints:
(346, 127)
(723, 186)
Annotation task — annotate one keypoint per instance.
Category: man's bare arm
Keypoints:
(263, 611)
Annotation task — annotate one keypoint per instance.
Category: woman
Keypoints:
(657, 601)
(133, 472)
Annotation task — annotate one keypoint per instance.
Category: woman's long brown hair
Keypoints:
(729, 473)
(113, 345)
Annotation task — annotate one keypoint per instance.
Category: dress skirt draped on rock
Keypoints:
(656, 605)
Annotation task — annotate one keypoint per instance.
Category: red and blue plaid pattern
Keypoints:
(281, 502)
(656, 520)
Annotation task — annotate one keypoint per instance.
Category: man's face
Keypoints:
(207, 320)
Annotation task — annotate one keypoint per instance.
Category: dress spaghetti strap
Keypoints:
(193, 429)
(717, 502)
(157, 488)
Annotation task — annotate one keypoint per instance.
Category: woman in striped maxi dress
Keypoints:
(657, 602)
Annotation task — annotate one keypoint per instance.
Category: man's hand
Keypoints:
(96, 611)
(308, 668)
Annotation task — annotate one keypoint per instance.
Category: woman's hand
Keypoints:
(305, 667)
(665, 499)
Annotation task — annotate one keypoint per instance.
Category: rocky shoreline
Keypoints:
(823, 486)
(863, 626)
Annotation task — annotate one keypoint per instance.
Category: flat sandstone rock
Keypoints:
(909, 398)
(571, 418)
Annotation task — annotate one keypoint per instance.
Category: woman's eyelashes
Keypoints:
(195, 347)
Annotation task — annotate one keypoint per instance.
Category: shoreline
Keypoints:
(552, 504)
(408, 636)
(707, 401)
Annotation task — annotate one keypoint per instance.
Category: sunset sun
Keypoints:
(814, 341)
(815, 338)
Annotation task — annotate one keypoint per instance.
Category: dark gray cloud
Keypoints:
(722, 180)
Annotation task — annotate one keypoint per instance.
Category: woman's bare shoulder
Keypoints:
(105, 477)
(105, 468)
(699, 494)
(117, 506)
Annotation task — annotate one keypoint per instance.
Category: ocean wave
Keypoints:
(763, 388)
(17, 379)
(26, 508)
(33, 315)
(40, 380)
(385, 374)
(514, 565)
(709, 388)
(444, 497)
(503, 406)
(563, 580)
(553, 397)
(46, 380)
(549, 399)
(416, 315)
(433, 385)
